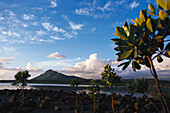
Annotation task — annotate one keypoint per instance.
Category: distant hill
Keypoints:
(53, 76)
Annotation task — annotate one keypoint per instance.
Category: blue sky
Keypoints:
(72, 37)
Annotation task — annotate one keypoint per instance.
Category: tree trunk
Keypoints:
(94, 105)
(164, 104)
(76, 100)
(113, 109)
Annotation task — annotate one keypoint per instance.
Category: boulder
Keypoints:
(57, 108)
(27, 109)
(44, 105)
(31, 103)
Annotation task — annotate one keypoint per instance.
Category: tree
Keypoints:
(74, 83)
(140, 86)
(20, 81)
(94, 94)
(109, 78)
(140, 43)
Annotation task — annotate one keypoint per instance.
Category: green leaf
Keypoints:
(121, 33)
(151, 13)
(133, 66)
(167, 46)
(126, 30)
(137, 66)
(162, 3)
(125, 55)
(142, 17)
(126, 24)
(136, 52)
(159, 59)
(126, 65)
(149, 25)
(151, 8)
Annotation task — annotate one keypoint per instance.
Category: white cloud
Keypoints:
(96, 11)
(8, 49)
(25, 25)
(120, 2)
(47, 26)
(10, 33)
(41, 32)
(106, 7)
(53, 4)
(28, 17)
(76, 26)
(83, 11)
(134, 4)
(10, 12)
(59, 29)
(6, 59)
(2, 18)
(10, 72)
(56, 55)
(90, 68)
(57, 38)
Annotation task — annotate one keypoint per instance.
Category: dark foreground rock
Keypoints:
(59, 101)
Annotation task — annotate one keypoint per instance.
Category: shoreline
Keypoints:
(61, 101)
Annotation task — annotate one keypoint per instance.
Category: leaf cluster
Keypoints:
(109, 77)
(94, 88)
(146, 37)
(74, 83)
(21, 78)
(139, 86)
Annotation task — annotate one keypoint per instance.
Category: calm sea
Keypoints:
(118, 90)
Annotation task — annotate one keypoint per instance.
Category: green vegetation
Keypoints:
(139, 86)
(94, 94)
(74, 83)
(140, 43)
(109, 78)
(20, 82)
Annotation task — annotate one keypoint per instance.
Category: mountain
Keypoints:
(53, 76)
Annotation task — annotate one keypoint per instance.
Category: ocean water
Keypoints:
(118, 90)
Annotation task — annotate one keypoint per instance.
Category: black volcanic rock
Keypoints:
(51, 75)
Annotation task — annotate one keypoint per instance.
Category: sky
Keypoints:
(68, 36)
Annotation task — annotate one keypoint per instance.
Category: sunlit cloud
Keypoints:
(90, 68)
(56, 55)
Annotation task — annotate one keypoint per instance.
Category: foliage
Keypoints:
(94, 88)
(94, 94)
(146, 37)
(20, 81)
(21, 78)
(140, 43)
(139, 86)
(109, 77)
(74, 82)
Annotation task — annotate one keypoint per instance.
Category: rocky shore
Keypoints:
(59, 101)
